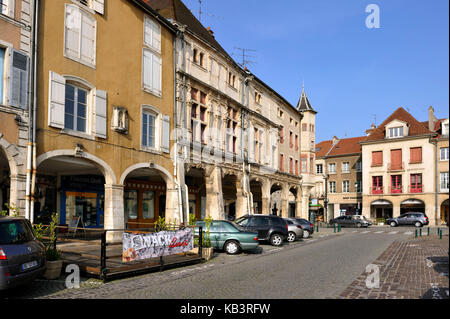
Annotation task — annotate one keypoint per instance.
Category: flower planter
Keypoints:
(207, 253)
(53, 269)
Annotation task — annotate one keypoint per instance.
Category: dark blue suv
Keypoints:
(269, 227)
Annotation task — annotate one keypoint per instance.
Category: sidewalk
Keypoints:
(409, 269)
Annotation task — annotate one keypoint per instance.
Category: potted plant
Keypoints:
(54, 262)
(207, 249)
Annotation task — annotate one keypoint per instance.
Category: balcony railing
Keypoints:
(415, 189)
(376, 190)
(396, 189)
(396, 166)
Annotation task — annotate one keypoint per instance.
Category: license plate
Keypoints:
(29, 265)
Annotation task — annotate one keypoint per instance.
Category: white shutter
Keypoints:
(19, 68)
(88, 37)
(251, 143)
(147, 68)
(72, 31)
(165, 134)
(100, 113)
(156, 73)
(99, 6)
(156, 36)
(11, 8)
(56, 100)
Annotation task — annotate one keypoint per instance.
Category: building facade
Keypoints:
(105, 115)
(16, 20)
(399, 164)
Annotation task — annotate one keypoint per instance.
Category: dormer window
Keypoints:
(395, 132)
(445, 129)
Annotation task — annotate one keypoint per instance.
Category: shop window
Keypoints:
(131, 204)
(148, 205)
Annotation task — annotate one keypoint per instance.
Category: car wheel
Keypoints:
(291, 237)
(393, 224)
(418, 224)
(305, 233)
(358, 225)
(276, 240)
(232, 247)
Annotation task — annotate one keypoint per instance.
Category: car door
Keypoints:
(340, 220)
(403, 220)
(215, 234)
(262, 225)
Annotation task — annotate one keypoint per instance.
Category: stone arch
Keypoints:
(165, 174)
(108, 173)
(12, 154)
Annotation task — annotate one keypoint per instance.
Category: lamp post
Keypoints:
(325, 200)
(356, 191)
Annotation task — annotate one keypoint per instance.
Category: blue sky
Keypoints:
(351, 73)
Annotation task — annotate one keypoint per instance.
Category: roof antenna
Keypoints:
(200, 11)
(245, 62)
(375, 119)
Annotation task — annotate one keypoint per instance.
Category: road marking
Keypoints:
(365, 232)
(355, 231)
(408, 233)
(273, 250)
(393, 232)
(379, 232)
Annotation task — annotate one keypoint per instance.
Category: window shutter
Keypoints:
(100, 113)
(19, 80)
(147, 75)
(416, 155)
(251, 144)
(88, 37)
(156, 73)
(165, 134)
(377, 158)
(73, 31)
(56, 100)
(99, 6)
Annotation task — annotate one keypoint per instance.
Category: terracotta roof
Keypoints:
(415, 127)
(343, 146)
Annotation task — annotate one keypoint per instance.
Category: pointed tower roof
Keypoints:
(303, 103)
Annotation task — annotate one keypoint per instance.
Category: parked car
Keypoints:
(295, 230)
(307, 226)
(22, 256)
(416, 219)
(351, 221)
(228, 236)
(269, 227)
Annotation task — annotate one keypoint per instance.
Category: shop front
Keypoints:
(144, 203)
(82, 196)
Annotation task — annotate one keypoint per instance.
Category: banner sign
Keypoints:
(164, 243)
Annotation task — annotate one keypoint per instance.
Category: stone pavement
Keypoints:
(415, 268)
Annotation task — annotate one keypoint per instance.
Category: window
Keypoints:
(291, 139)
(75, 109)
(282, 135)
(377, 158)
(232, 79)
(395, 132)
(291, 165)
(97, 5)
(7, 8)
(319, 168)
(377, 184)
(152, 62)
(296, 143)
(416, 183)
(148, 130)
(80, 35)
(198, 117)
(345, 167)
(396, 184)
(258, 98)
(358, 166)
(311, 127)
(332, 187)
(332, 168)
(445, 129)
(296, 167)
(444, 154)
(18, 80)
(415, 155)
(2, 70)
(358, 186)
(304, 127)
(444, 182)
(281, 162)
(396, 160)
(304, 168)
(346, 186)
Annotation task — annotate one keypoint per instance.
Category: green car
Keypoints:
(229, 236)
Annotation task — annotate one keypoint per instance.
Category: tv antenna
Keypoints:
(200, 12)
(374, 119)
(245, 61)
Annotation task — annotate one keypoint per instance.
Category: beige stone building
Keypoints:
(399, 168)
(16, 20)
(239, 139)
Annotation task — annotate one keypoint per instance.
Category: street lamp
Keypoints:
(356, 191)
(325, 200)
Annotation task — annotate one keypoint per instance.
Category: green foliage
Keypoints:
(13, 210)
(160, 224)
(4, 213)
(206, 236)
(192, 220)
(39, 231)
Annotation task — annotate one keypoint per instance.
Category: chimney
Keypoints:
(335, 140)
(372, 128)
(210, 31)
(431, 119)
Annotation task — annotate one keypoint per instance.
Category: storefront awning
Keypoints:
(381, 202)
(412, 202)
(315, 207)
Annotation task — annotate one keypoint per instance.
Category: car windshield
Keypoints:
(238, 227)
(15, 232)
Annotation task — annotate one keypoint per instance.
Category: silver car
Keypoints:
(22, 257)
(295, 230)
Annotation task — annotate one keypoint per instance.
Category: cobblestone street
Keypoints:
(409, 269)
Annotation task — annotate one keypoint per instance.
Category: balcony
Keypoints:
(376, 190)
(396, 166)
(415, 189)
(398, 189)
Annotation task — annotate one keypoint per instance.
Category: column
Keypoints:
(172, 206)
(17, 193)
(114, 212)
(214, 195)
(285, 201)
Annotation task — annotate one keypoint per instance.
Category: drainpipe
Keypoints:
(35, 56)
(246, 187)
